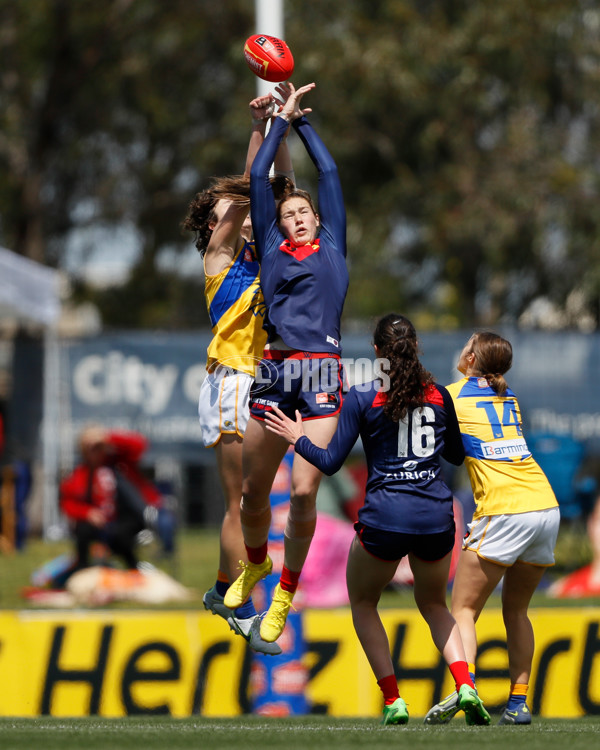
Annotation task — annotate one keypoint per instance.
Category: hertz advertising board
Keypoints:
(183, 663)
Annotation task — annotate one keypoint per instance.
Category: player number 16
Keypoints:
(416, 436)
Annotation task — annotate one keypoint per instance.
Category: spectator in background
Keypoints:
(584, 581)
(106, 496)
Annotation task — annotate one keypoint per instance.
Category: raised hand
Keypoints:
(291, 110)
(262, 107)
(283, 90)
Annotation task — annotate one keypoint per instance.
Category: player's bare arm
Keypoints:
(227, 230)
(232, 225)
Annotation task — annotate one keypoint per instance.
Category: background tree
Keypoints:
(469, 152)
(466, 135)
(111, 116)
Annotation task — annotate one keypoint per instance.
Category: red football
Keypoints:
(269, 57)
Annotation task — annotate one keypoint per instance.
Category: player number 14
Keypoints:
(510, 418)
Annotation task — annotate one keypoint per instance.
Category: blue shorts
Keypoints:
(311, 382)
(394, 545)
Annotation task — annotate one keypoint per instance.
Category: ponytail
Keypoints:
(493, 358)
(396, 341)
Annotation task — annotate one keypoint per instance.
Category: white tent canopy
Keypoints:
(28, 289)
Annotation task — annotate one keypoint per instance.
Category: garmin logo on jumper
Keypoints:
(502, 449)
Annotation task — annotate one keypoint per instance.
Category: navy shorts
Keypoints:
(394, 545)
(308, 381)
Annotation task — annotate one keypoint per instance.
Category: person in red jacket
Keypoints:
(106, 495)
(585, 581)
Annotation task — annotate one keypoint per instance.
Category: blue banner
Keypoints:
(150, 381)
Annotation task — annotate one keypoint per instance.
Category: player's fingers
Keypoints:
(308, 87)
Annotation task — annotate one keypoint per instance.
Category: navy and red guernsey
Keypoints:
(305, 286)
(405, 489)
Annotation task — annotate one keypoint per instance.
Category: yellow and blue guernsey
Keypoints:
(237, 310)
(505, 477)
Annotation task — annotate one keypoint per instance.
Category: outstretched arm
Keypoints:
(331, 200)
(283, 160)
(264, 215)
(225, 237)
(261, 109)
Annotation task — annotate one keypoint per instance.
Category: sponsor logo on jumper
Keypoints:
(482, 383)
(505, 449)
(326, 398)
(263, 403)
(411, 476)
(331, 340)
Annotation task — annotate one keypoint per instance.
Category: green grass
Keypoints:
(196, 557)
(194, 564)
(251, 732)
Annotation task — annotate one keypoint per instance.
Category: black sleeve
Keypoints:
(454, 451)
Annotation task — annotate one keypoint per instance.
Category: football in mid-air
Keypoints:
(269, 57)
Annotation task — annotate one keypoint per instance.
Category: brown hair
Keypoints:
(396, 341)
(236, 188)
(295, 193)
(201, 211)
(493, 358)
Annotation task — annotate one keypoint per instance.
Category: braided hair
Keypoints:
(493, 358)
(396, 341)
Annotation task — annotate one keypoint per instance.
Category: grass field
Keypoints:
(248, 733)
(194, 565)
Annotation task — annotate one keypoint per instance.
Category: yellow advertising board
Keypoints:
(180, 663)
